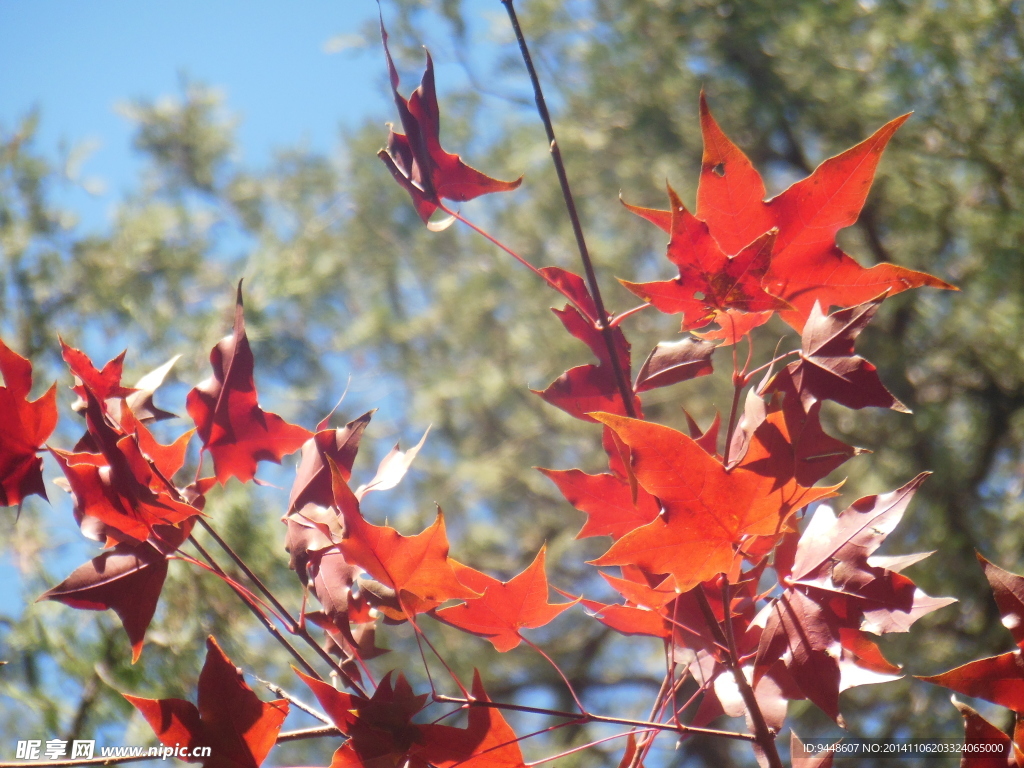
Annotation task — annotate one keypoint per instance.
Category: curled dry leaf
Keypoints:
(392, 468)
(416, 158)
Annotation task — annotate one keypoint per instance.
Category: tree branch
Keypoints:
(625, 389)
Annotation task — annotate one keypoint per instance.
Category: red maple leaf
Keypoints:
(238, 728)
(24, 427)
(709, 280)
(661, 611)
(806, 264)
(607, 500)
(733, 325)
(707, 511)
(999, 679)
(313, 486)
(828, 368)
(313, 477)
(381, 733)
(233, 427)
(127, 580)
(587, 388)
(104, 384)
(503, 608)
(121, 487)
(985, 746)
(416, 567)
(416, 158)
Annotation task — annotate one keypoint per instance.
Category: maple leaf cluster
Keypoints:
(721, 546)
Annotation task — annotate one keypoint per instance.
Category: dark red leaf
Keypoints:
(999, 679)
(234, 429)
(381, 732)
(24, 427)
(416, 158)
(126, 580)
(589, 388)
(238, 728)
(313, 477)
(672, 362)
(573, 287)
(790, 443)
(828, 368)
(836, 548)
(985, 746)
(1008, 589)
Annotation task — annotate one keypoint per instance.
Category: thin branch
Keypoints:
(317, 732)
(291, 624)
(277, 690)
(592, 718)
(763, 735)
(264, 619)
(625, 390)
(561, 674)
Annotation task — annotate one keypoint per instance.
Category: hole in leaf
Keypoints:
(719, 170)
(698, 295)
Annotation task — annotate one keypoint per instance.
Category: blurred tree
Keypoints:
(343, 279)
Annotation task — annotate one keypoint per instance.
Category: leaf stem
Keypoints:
(561, 674)
(574, 750)
(625, 390)
(737, 384)
(495, 241)
(750, 374)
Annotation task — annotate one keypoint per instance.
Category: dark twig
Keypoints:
(763, 735)
(592, 718)
(264, 619)
(291, 624)
(625, 390)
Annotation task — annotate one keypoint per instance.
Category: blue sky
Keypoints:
(75, 61)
